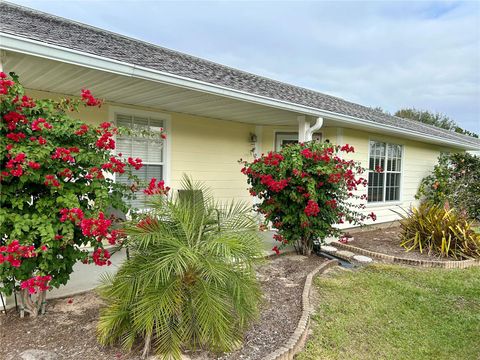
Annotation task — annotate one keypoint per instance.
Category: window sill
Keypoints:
(383, 204)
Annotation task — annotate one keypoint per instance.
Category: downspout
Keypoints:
(309, 133)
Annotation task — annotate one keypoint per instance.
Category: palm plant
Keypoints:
(190, 282)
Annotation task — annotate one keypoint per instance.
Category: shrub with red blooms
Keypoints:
(305, 189)
(55, 190)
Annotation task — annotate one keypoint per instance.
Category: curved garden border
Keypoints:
(455, 264)
(297, 339)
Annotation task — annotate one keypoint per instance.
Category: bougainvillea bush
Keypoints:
(456, 180)
(56, 184)
(305, 189)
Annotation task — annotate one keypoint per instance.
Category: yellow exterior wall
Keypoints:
(419, 159)
(209, 149)
(205, 149)
(268, 135)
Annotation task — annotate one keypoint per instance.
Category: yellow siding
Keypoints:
(208, 150)
(204, 148)
(419, 159)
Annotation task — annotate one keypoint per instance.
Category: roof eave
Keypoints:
(27, 46)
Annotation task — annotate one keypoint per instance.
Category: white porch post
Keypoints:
(2, 59)
(305, 130)
(258, 143)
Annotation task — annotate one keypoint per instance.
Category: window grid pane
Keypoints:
(384, 174)
(149, 150)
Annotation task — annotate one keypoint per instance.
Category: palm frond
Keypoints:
(190, 281)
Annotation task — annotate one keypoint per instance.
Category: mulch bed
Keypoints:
(68, 328)
(387, 241)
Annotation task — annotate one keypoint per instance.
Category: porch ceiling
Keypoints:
(59, 77)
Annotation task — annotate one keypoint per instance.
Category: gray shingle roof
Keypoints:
(35, 25)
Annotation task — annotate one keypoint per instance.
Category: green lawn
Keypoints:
(393, 312)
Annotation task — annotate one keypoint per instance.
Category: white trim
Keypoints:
(167, 146)
(259, 143)
(340, 136)
(400, 195)
(285, 135)
(291, 132)
(36, 48)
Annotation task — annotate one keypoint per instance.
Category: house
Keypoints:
(214, 114)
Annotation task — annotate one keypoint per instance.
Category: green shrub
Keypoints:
(305, 189)
(440, 231)
(190, 282)
(456, 179)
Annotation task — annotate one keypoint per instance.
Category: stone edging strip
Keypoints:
(297, 340)
(458, 264)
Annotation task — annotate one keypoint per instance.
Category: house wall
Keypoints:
(206, 149)
(418, 160)
(209, 149)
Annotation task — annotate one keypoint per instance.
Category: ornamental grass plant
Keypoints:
(190, 282)
(439, 230)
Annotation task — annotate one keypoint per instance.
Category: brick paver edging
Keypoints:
(296, 342)
(458, 264)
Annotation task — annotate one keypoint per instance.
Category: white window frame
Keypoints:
(167, 145)
(279, 136)
(401, 172)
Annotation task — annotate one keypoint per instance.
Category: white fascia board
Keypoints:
(53, 52)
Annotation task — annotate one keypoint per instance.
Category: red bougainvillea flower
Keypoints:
(64, 154)
(347, 148)
(136, 163)
(51, 180)
(312, 208)
(74, 214)
(83, 130)
(40, 123)
(372, 216)
(101, 257)
(158, 189)
(34, 165)
(13, 118)
(89, 99)
(66, 174)
(307, 153)
(17, 137)
(378, 169)
(4, 83)
(95, 227)
(36, 283)
(272, 159)
(332, 203)
(27, 102)
(272, 184)
(13, 253)
(275, 249)
(115, 165)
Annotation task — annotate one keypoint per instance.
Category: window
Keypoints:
(284, 138)
(384, 172)
(149, 150)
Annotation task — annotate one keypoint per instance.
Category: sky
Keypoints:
(388, 54)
